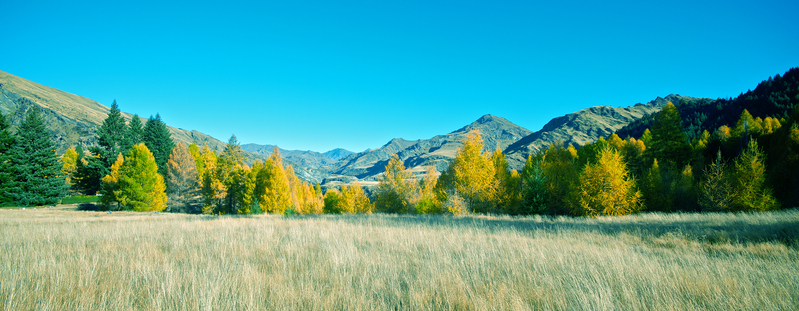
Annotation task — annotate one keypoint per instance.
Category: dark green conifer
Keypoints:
(37, 176)
(157, 138)
(669, 144)
(6, 142)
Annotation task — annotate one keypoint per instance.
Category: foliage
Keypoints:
(473, 175)
(157, 138)
(272, 186)
(750, 192)
(559, 165)
(182, 184)
(111, 184)
(141, 188)
(669, 144)
(428, 202)
(134, 133)
(395, 189)
(36, 176)
(6, 169)
(715, 192)
(80, 199)
(332, 202)
(68, 164)
(605, 187)
(534, 185)
(110, 140)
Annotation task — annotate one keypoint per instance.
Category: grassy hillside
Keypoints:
(67, 260)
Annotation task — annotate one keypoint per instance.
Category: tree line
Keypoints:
(747, 166)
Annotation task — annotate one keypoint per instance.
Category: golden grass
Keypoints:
(61, 259)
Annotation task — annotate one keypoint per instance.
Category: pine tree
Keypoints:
(183, 184)
(110, 138)
(669, 144)
(229, 172)
(133, 133)
(606, 187)
(141, 188)
(87, 178)
(37, 178)
(157, 138)
(395, 188)
(562, 179)
(534, 189)
(7, 140)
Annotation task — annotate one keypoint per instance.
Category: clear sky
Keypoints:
(317, 75)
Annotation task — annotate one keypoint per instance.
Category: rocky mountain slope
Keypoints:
(497, 132)
(305, 158)
(584, 126)
(71, 119)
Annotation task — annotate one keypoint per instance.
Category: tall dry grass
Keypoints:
(70, 260)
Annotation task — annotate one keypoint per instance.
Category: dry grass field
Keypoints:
(62, 259)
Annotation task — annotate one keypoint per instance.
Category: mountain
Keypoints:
(71, 119)
(774, 97)
(584, 126)
(338, 153)
(497, 132)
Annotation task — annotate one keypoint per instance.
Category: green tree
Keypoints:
(332, 202)
(229, 171)
(668, 144)
(110, 140)
(749, 189)
(141, 188)
(157, 138)
(428, 201)
(715, 191)
(534, 185)
(133, 134)
(606, 187)
(37, 178)
(7, 139)
(562, 178)
(183, 185)
(87, 178)
(395, 188)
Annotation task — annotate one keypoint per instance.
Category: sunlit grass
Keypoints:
(55, 259)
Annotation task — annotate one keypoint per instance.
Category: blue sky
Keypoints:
(317, 75)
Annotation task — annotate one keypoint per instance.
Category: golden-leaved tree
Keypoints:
(141, 188)
(69, 161)
(473, 175)
(183, 186)
(606, 187)
(110, 184)
(272, 186)
(395, 189)
(427, 202)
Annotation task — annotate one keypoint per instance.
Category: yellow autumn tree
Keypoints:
(395, 189)
(473, 175)
(110, 184)
(606, 187)
(69, 161)
(272, 186)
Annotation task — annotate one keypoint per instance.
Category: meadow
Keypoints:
(63, 259)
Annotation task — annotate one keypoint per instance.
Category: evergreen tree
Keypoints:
(133, 134)
(534, 190)
(229, 172)
(562, 178)
(110, 139)
(87, 178)
(141, 188)
(183, 184)
(668, 144)
(37, 178)
(7, 140)
(157, 138)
